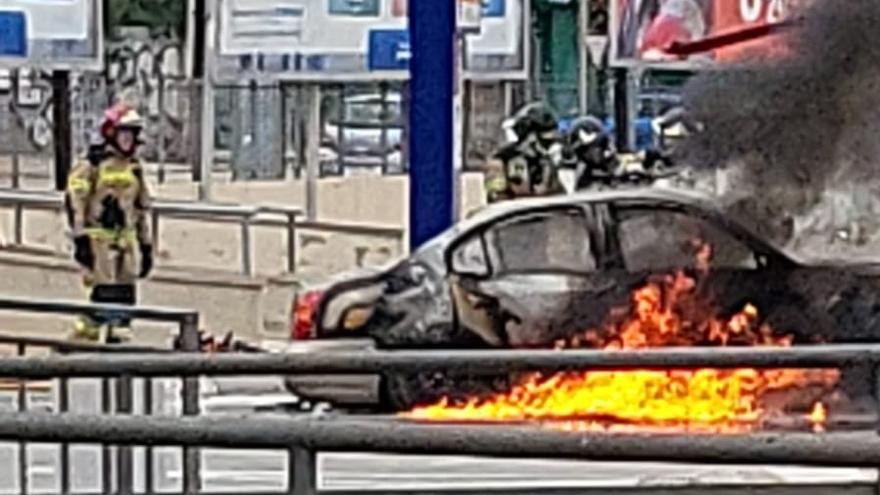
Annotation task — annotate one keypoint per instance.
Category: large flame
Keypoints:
(669, 311)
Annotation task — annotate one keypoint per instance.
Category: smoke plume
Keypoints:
(799, 125)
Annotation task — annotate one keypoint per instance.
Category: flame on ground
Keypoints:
(667, 312)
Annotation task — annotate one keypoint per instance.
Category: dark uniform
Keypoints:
(529, 165)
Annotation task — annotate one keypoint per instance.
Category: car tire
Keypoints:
(401, 392)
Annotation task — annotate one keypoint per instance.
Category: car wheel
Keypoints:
(402, 392)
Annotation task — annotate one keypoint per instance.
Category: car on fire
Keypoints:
(527, 273)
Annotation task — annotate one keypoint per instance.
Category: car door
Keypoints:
(522, 280)
(729, 271)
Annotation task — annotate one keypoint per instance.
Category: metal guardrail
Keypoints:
(303, 436)
(480, 361)
(245, 216)
(400, 436)
(187, 322)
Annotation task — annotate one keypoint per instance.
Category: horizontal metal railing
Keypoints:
(187, 322)
(303, 436)
(244, 215)
(401, 436)
(479, 361)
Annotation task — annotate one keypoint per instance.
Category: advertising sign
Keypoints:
(642, 31)
(353, 39)
(55, 33)
(389, 50)
(13, 34)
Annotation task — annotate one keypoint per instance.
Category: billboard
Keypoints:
(352, 39)
(50, 34)
(642, 31)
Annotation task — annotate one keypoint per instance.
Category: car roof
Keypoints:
(631, 194)
(691, 199)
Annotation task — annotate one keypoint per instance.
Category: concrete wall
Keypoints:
(378, 201)
(199, 262)
(253, 309)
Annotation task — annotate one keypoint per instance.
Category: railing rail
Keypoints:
(244, 215)
(397, 435)
(303, 436)
(188, 333)
(479, 361)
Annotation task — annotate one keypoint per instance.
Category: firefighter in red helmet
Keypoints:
(108, 205)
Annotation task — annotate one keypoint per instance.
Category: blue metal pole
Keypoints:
(432, 41)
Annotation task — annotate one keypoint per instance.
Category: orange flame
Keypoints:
(819, 417)
(665, 312)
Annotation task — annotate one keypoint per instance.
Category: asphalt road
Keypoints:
(239, 471)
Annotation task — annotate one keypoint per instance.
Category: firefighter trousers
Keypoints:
(111, 281)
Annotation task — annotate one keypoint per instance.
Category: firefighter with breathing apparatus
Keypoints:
(531, 157)
(108, 205)
(589, 152)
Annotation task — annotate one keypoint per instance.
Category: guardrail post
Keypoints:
(246, 261)
(18, 221)
(301, 471)
(22, 446)
(291, 242)
(154, 221)
(106, 454)
(876, 379)
(63, 406)
(149, 485)
(189, 338)
(124, 458)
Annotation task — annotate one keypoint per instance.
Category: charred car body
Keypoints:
(530, 272)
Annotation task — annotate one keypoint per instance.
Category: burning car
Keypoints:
(614, 269)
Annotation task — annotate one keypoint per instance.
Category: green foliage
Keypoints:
(162, 17)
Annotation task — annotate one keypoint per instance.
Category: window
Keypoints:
(664, 239)
(469, 258)
(543, 242)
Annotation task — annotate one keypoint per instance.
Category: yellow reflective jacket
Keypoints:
(110, 200)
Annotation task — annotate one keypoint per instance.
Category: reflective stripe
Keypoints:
(79, 185)
(116, 177)
(125, 235)
(496, 184)
(86, 329)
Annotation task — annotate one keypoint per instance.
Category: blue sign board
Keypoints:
(13, 34)
(493, 8)
(389, 49)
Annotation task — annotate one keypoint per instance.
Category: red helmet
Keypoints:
(119, 116)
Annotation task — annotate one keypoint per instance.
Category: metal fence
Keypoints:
(187, 322)
(247, 217)
(302, 436)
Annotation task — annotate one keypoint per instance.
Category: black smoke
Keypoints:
(800, 124)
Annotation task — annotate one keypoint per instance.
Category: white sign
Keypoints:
(292, 39)
(62, 34)
(501, 29)
(54, 19)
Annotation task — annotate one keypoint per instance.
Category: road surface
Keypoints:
(238, 471)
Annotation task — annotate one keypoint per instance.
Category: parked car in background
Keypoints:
(367, 134)
(652, 103)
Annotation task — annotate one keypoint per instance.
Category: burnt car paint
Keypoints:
(426, 302)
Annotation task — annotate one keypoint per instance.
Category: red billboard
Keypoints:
(696, 32)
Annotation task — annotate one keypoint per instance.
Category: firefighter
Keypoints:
(588, 150)
(108, 208)
(529, 162)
